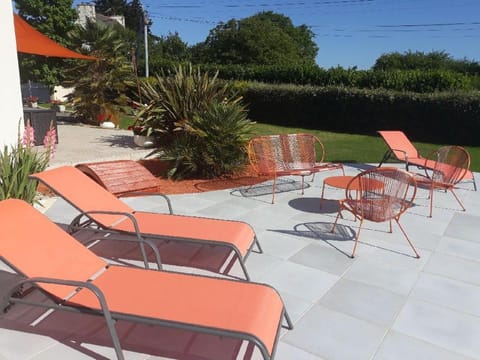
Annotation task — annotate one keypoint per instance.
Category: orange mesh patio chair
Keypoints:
(222, 242)
(379, 195)
(401, 148)
(75, 279)
(287, 154)
(451, 164)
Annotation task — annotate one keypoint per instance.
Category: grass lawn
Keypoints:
(340, 147)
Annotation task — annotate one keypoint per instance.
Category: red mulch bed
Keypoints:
(245, 177)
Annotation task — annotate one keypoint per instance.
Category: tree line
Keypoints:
(266, 38)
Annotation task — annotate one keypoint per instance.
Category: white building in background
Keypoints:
(87, 11)
(10, 94)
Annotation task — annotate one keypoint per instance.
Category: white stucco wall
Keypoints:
(61, 93)
(10, 94)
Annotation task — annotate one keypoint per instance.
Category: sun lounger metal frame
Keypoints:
(84, 221)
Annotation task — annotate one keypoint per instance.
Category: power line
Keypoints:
(429, 29)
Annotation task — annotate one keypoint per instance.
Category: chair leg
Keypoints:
(356, 238)
(340, 208)
(408, 239)
(274, 188)
(323, 191)
(454, 195)
(303, 184)
(431, 201)
(458, 200)
(385, 157)
(257, 244)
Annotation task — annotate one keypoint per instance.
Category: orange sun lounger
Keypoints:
(401, 148)
(101, 210)
(75, 279)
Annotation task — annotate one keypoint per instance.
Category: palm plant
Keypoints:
(173, 99)
(200, 122)
(213, 144)
(100, 86)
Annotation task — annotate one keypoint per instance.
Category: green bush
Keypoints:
(213, 145)
(422, 81)
(173, 99)
(199, 120)
(16, 164)
(19, 161)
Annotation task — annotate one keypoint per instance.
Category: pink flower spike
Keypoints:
(28, 138)
(49, 142)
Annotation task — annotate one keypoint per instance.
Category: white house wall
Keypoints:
(10, 94)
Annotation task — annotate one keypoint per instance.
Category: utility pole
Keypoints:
(146, 24)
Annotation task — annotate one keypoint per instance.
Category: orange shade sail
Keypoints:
(31, 41)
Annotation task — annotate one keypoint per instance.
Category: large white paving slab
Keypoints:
(397, 346)
(335, 336)
(440, 326)
(364, 301)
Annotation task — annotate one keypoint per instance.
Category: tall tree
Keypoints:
(174, 48)
(111, 7)
(134, 16)
(165, 50)
(265, 38)
(53, 18)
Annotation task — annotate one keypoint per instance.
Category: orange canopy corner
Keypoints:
(31, 41)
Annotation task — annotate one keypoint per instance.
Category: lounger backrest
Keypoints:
(36, 247)
(397, 140)
(83, 193)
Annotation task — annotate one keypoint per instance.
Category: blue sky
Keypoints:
(348, 32)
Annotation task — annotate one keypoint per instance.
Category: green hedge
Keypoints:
(400, 80)
(442, 118)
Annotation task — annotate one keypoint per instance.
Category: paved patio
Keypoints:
(384, 304)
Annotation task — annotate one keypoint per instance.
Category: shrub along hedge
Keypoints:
(400, 80)
(441, 118)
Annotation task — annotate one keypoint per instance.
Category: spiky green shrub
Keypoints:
(19, 161)
(16, 164)
(213, 144)
(173, 99)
